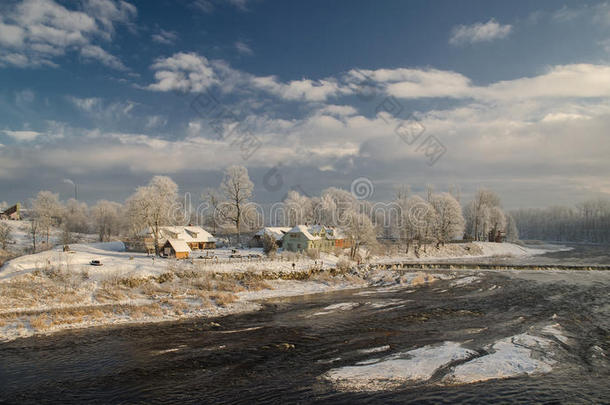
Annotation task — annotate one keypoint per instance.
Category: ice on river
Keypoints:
(523, 354)
(397, 369)
(510, 357)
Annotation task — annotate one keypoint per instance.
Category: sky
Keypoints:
(361, 95)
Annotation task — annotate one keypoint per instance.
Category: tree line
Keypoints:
(588, 221)
(410, 219)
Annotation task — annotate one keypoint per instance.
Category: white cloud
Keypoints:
(86, 104)
(305, 89)
(155, 121)
(165, 37)
(22, 136)
(479, 32)
(95, 52)
(36, 32)
(208, 6)
(184, 72)
(243, 48)
(562, 81)
(195, 73)
(11, 35)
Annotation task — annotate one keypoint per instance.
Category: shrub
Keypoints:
(165, 277)
(269, 245)
(313, 254)
(343, 264)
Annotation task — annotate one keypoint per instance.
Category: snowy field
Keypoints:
(21, 238)
(116, 261)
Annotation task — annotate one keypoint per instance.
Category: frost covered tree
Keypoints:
(298, 208)
(154, 206)
(449, 222)
(335, 207)
(75, 216)
(588, 221)
(512, 233)
(360, 231)
(237, 189)
(213, 198)
(420, 222)
(484, 214)
(46, 210)
(5, 234)
(33, 231)
(106, 218)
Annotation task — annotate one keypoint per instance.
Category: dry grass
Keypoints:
(73, 298)
(223, 298)
(423, 278)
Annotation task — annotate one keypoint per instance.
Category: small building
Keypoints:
(195, 237)
(13, 212)
(320, 237)
(176, 248)
(276, 233)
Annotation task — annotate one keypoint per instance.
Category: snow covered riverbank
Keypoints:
(55, 290)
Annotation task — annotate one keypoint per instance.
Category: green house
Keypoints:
(302, 238)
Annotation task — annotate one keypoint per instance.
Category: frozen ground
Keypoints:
(130, 264)
(21, 239)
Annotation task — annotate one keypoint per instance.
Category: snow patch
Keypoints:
(465, 281)
(513, 356)
(342, 306)
(375, 349)
(395, 370)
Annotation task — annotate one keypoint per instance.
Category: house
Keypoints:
(195, 238)
(276, 233)
(13, 212)
(176, 248)
(320, 237)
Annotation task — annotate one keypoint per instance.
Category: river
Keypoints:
(286, 352)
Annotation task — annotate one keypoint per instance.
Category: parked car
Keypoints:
(95, 263)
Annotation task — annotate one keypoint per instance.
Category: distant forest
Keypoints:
(588, 221)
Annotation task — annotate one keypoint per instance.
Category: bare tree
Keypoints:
(237, 188)
(153, 206)
(34, 225)
(5, 235)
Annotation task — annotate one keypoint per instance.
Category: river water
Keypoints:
(285, 352)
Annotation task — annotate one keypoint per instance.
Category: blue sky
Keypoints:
(508, 95)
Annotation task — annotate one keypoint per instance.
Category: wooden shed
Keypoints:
(176, 248)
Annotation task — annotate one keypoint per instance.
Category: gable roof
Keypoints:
(303, 230)
(310, 232)
(189, 234)
(276, 232)
(179, 245)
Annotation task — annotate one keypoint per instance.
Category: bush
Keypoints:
(343, 264)
(269, 244)
(162, 278)
(313, 254)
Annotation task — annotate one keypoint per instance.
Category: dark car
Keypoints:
(95, 263)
